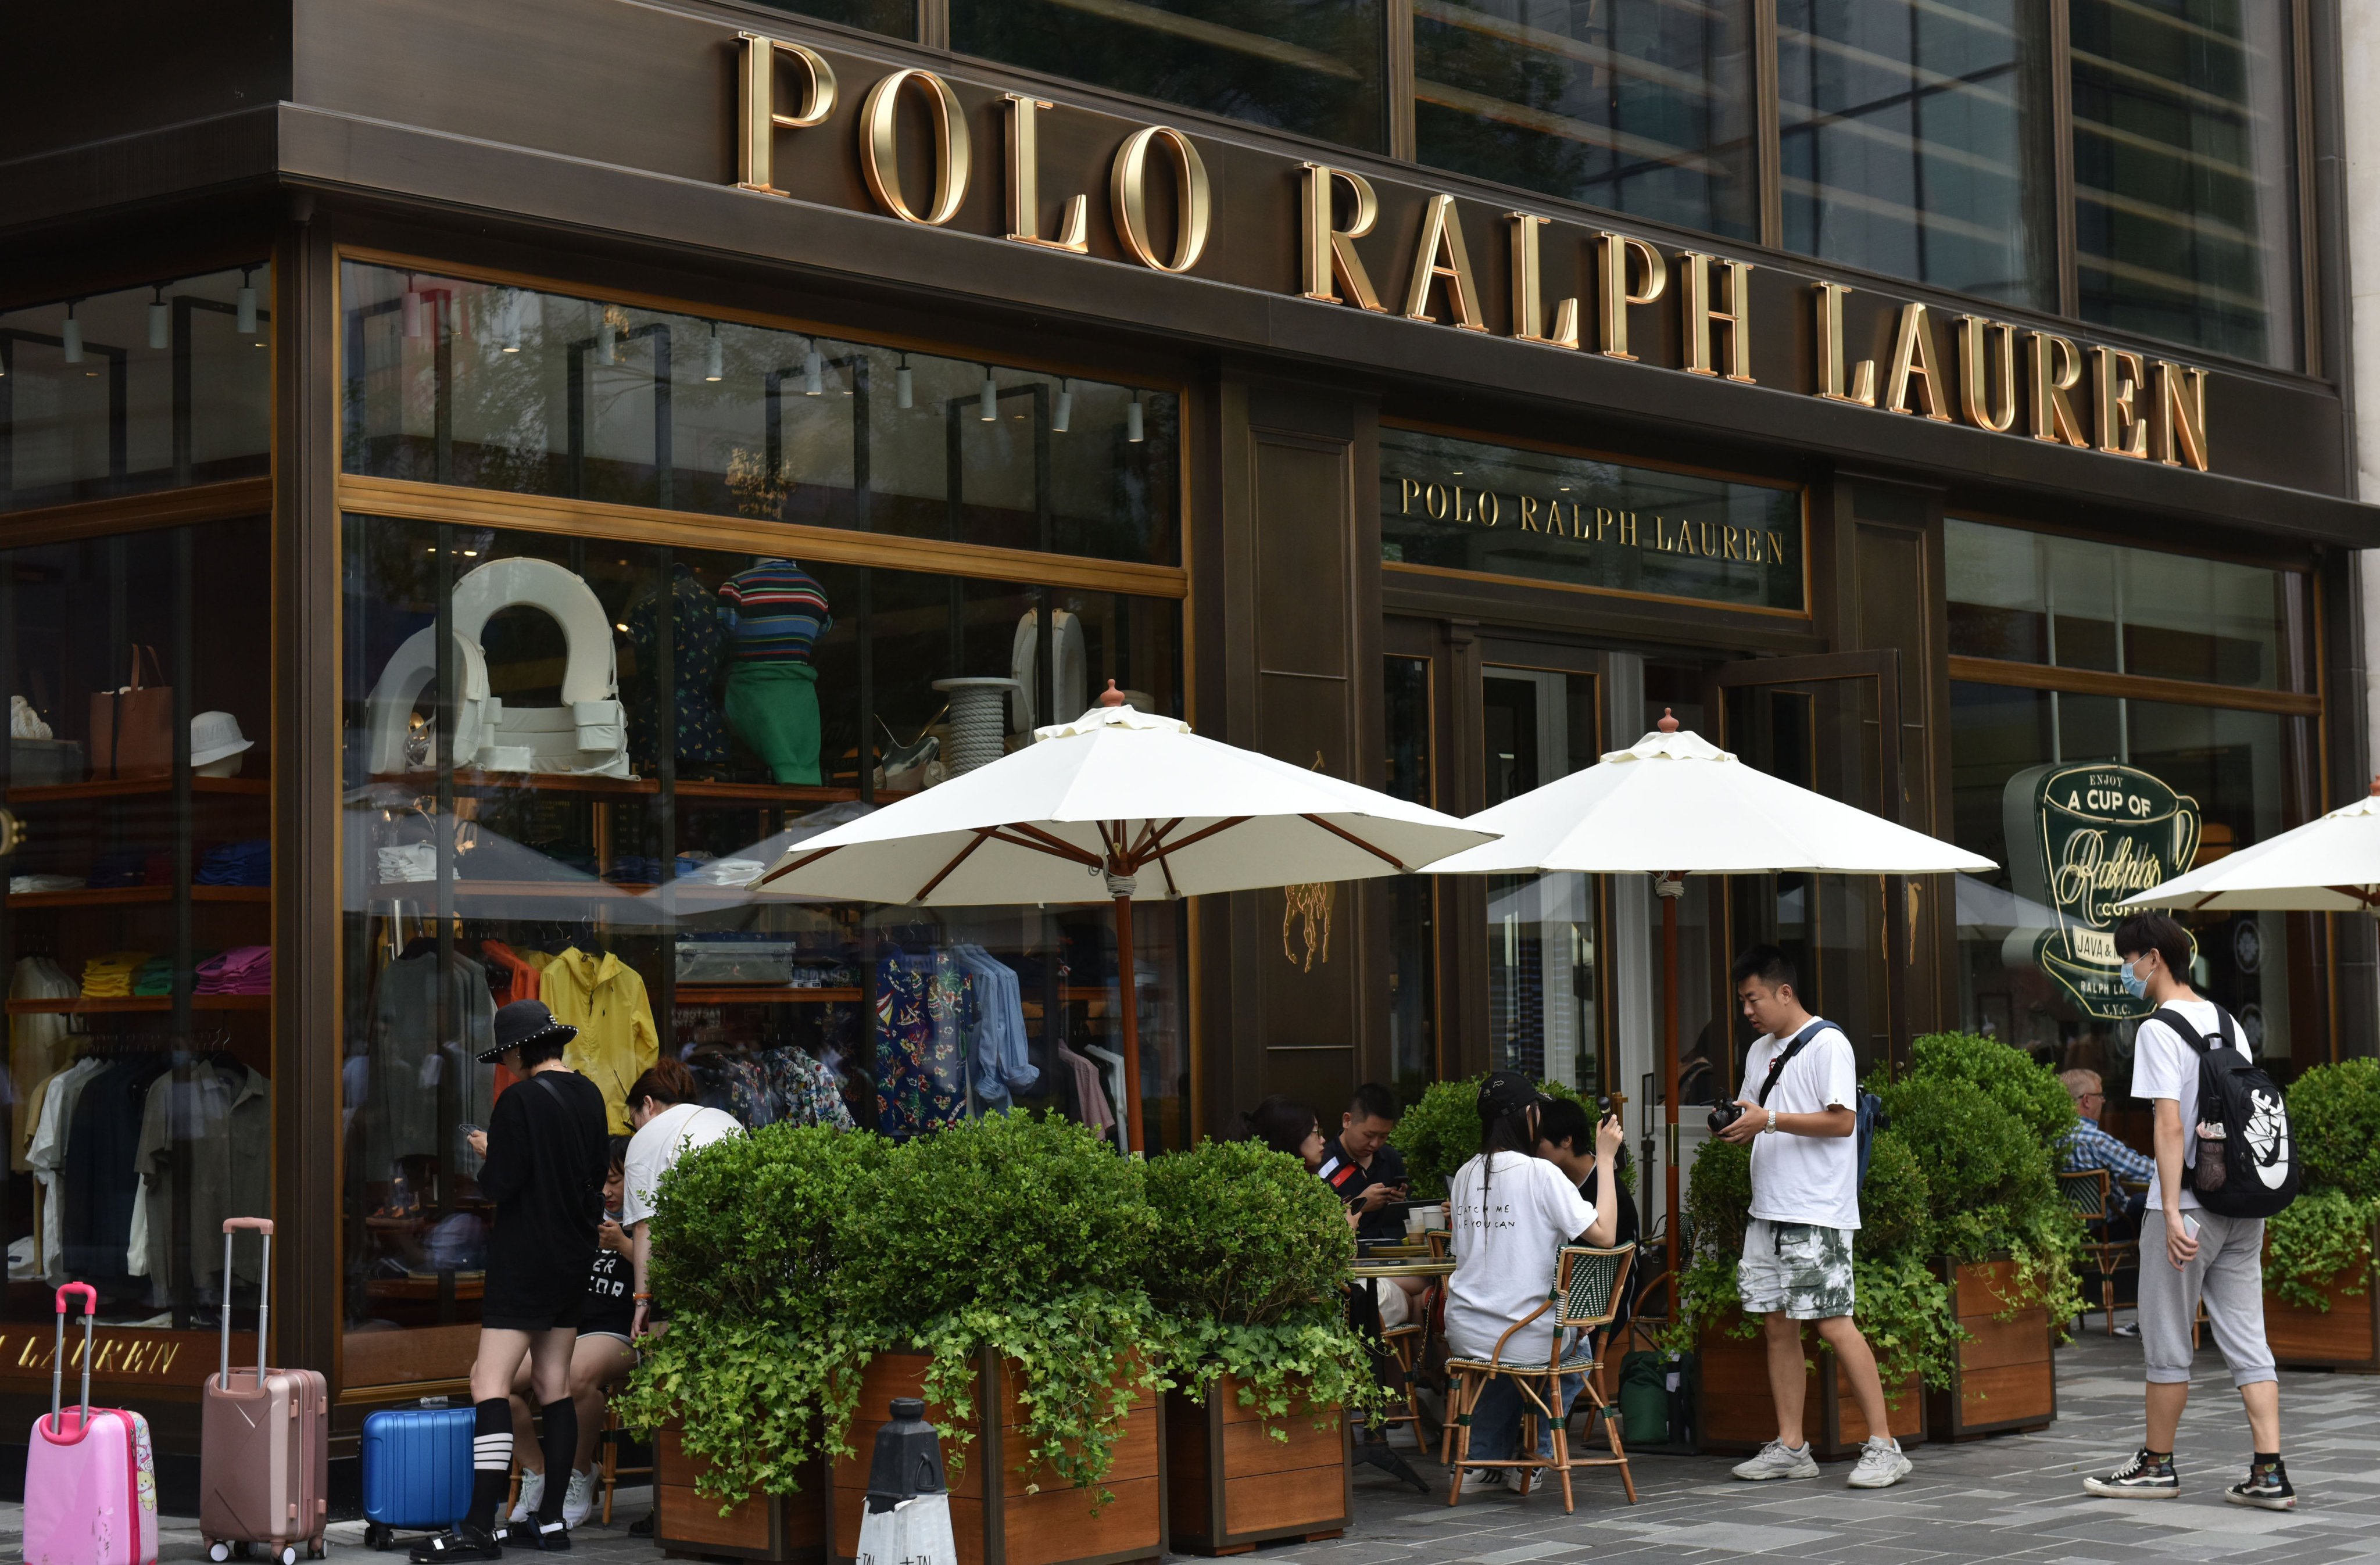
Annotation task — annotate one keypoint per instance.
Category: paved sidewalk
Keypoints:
(2011, 1498)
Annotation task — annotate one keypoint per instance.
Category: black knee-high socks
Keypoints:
(560, 1420)
(492, 1458)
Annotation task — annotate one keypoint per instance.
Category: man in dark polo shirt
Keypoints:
(1367, 1172)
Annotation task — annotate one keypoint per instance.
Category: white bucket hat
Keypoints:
(215, 736)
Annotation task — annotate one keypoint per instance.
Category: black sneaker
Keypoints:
(554, 1537)
(642, 1527)
(2138, 1479)
(464, 1542)
(2267, 1488)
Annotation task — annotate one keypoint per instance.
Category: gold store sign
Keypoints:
(147, 1355)
(1993, 375)
(1450, 502)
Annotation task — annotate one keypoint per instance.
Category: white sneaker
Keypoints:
(579, 1498)
(1776, 1461)
(532, 1493)
(1880, 1466)
(1481, 1480)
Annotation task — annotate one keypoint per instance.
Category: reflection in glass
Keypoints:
(507, 388)
(144, 388)
(1641, 106)
(573, 800)
(1544, 994)
(2076, 603)
(2183, 165)
(1311, 68)
(1916, 141)
(1413, 899)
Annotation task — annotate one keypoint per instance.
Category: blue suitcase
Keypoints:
(417, 1466)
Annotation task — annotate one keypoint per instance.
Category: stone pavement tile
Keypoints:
(1743, 1539)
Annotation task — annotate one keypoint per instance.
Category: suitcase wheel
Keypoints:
(289, 1554)
(219, 1552)
(378, 1536)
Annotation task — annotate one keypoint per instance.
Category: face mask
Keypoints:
(2134, 985)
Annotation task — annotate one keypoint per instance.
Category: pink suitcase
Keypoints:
(264, 1442)
(91, 1483)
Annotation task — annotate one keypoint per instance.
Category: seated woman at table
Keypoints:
(1511, 1211)
(1286, 1125)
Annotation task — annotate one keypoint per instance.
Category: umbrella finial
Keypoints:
(1669, 723)
(1111, 697)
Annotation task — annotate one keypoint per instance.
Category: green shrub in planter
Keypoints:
(1248, 1270)
(2008, 1076)
(762, 1361)
(1027, 1236)
(2324, 1236)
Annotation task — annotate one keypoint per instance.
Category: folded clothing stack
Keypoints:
(237, 864)
(154, 977)
(110, 977)
(131, 867)
(244, 969)
(19, 884)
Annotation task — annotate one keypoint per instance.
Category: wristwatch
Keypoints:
(1772, 1122)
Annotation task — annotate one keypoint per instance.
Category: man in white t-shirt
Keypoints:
(2188, 1253)
(1801, 1120)
(670, 1123)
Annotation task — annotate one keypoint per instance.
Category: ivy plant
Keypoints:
(2324, 1238)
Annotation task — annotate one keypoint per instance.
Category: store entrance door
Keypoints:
(1830, 723)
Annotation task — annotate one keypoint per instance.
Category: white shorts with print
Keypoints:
(1801, 1269)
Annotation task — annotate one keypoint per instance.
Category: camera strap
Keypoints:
(1785, 1056)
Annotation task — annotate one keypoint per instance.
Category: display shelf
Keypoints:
(140, 1002)
(759, 994)
(128, 896)
(474, 782)
(134, 787)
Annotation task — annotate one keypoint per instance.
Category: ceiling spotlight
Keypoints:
(813, 372)
(905, 385)
(161, 319)
(1064, 414)
(412, 307)
(988, 400)
(1132, 420)
(245, 302)
(509, 324)
(70, 336)
(714, 359)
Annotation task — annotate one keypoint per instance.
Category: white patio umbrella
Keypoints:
(1118, 805)
(2329, 865)
(1673, 805)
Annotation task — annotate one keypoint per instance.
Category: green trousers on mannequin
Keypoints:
(773, 707)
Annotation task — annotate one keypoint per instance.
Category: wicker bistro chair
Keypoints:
(1587, 1292)
(2090, 1193)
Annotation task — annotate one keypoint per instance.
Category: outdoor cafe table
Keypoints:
(1370, 1270)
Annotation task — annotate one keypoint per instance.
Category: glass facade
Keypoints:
(138, 926)
(2185, 225)
(1581, 521)
(1917, 140)
(1641, 106)
(1413, 899)
(472, 383)
(1310, 68)
(2030, 766)
(897, 19)
(145, 388)
(1545, 1000)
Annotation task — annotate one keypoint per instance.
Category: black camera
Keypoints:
(1723, 1115)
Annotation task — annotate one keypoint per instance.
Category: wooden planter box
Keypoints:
(687, 1526)
(1735, 1413)
(2006, 1377)
(1231, 1486)
(996, 1518)
(2346, 1336)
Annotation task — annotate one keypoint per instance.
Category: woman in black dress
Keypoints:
(546, 1148)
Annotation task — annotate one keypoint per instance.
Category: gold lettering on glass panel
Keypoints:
(2181, 414)
(1913, 359)
(2118, 379)
(1331, 262)
(1987, 390)
(1628, 529)
(1529, 514)
(1491, 510)
(757, 107)
(1433, 500)
(1406, 489)
(1751, 546)
(1700, 312)
(1025, 184)
(1775, 548)
(880, 146)
(1617, 294)
(2057, 371)
(1194, 215)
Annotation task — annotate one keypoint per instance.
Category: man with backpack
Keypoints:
(2224, 1163)
(1799, 1115)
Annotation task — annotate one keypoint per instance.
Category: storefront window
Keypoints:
(1579, 521)
(1640, 106)
(1916, 141)
(145, 388)
(138, 927)
(2183, 130)
(2035, 598)
(628, 736)
(1310, 68)
(1545, 962)
(466, 383)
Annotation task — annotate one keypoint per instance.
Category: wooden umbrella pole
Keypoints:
(1670, 1078)
(1128, 996)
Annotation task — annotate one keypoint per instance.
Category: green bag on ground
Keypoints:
(1643, 1400)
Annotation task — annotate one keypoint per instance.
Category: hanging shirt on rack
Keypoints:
(802, 1091)
(1001, 1054)
(219, 1121)
(37, 1042)
(604, 998)
(1089, 1095)
(695, 649)
(397, 1114)
(921, 1042)
(47, 1157)
(99, 1169)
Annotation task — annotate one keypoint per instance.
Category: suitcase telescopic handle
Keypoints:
(58, 1353)
(263, 1296)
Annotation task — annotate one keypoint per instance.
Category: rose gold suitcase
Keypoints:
(264, 1460)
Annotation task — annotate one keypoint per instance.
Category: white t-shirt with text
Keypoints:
(655, 1149)
(1507, 1226)
(2164, 1066)
(1812, 1179)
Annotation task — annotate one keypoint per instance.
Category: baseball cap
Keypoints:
(1507, 1092)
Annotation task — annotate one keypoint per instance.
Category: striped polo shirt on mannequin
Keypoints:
(773, 611)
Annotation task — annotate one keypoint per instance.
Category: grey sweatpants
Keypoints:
(2230, 1273)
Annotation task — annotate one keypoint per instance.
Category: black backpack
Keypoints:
(2243, 1161)
(1870, 1109)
